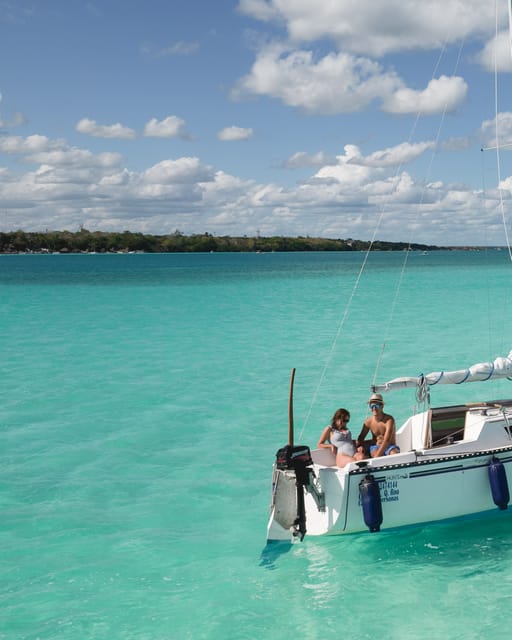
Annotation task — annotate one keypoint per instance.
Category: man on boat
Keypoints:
(382, 427)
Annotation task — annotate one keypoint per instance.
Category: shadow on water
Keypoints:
(466, 544)
(483, 541)
(272, 552)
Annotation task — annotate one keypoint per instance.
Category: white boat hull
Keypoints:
(420, 485)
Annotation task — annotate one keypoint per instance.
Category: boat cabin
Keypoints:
(442, 426)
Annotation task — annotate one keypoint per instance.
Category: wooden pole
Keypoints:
(290, 410)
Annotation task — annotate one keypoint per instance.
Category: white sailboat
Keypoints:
(454, 461)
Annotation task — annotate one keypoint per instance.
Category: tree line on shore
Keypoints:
(85, 241)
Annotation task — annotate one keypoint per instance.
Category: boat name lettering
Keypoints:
(389, 491)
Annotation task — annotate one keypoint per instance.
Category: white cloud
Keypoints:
(391, 157)
(336, 83)
(441, 95)
(348, 79)
(458, 143)
(180, 48)
(235, 133)
(488, 131)
(118, 179)
(345, 173)
(302, 159)
(352, 170)
(170, 127)
(376, 28)
(70, 178)
(36, 149)
(92, 128)
(498, 50)
(259, 9)
(75, 157)
(71, 187)
(15, 121)
(342, 83)
(31, 144)
(320, 58)
(176, 171)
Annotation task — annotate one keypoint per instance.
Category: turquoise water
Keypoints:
(143, 400)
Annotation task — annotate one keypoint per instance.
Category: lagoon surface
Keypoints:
(143, 400)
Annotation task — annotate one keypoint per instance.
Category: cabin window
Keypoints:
(446, 429)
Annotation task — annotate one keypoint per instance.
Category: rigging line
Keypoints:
(422, 198)
(502, 146)
(346, 311)
(488, 288)
(360, 274)
(498, 162)
(493, 148)
(497, 147)
(335, 340)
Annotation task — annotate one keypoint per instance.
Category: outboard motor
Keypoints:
(370, 501)
(499, 484)
(298, 459)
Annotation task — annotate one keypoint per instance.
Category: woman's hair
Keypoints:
(341, 413)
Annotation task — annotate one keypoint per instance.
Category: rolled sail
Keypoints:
(499, 368)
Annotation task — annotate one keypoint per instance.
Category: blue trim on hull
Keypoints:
(419, 462)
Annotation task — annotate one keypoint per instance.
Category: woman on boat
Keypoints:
(338, 439)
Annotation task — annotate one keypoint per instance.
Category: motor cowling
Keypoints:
(293, 457)
(298, 459)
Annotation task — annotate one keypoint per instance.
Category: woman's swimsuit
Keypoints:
(343, 441)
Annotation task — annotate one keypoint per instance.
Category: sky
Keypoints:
(324, 118)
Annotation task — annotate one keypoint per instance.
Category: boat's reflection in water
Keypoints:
(326, 559)
(272, 551)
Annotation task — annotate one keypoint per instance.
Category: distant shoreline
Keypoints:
(84, 241)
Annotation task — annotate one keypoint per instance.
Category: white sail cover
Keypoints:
(500, 368)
